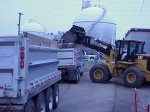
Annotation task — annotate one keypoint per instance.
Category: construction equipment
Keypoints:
(125, 59)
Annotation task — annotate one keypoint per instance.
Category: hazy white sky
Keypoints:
(59, 14)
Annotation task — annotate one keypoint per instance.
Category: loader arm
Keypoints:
(77, 35)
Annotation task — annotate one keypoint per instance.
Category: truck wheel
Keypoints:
(77, 76)
(81, 73)
(55, 96)
(30, 107)
(49, 99)
(99, 73)
(78, 71)
(40, 103)
(133, 77)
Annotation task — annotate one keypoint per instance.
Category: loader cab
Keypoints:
(128, 48)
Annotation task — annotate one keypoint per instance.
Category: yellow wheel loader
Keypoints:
(125, 59)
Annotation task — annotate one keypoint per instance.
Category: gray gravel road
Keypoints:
(86, 97)
(93, 97)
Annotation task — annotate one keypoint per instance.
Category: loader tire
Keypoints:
(133, 77)
(99, 73)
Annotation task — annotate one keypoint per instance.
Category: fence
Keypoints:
(139, 105)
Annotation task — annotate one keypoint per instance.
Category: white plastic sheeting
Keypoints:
(97, 24)
(33, 27)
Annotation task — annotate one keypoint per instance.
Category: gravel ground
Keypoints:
(92, 97)
(86, 96)
(124, 97)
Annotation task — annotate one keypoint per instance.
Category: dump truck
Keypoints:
(29, 74)
(70, 59)
(126, 59)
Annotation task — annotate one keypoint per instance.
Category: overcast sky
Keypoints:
(57, 15)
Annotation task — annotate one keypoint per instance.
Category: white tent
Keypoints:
(97, 23)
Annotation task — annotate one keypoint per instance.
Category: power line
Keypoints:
(140, 13)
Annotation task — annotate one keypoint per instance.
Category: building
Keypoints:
(141, 35)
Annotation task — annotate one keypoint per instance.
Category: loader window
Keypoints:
(122, 48)
(134, 48)
(127, 49)
(139, 48)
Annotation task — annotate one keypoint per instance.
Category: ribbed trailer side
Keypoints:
(27, 70)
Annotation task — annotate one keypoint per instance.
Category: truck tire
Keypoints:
(133, 77)
(55, 96)
(30, 107)
(99, 73)
(77, 76)
(40, 103)
(78, 71)
(49, 99)
(81, 73)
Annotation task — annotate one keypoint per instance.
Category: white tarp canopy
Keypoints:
(97, 24)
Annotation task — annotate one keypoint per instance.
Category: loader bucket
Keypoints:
(74, 34)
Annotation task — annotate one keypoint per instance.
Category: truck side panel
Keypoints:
(42, 69)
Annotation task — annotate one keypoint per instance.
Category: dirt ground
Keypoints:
(93, 97)
(124, 97)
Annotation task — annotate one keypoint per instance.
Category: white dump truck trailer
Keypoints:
(28, 74)
(70, 61)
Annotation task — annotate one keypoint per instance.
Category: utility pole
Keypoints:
(20, 14)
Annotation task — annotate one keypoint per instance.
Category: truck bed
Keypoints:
(23, 78)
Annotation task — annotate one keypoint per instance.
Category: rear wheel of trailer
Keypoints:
(55, 96)
(41, 103)
(30, 106)
(49, 99)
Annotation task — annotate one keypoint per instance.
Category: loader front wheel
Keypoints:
(99, 73)
(133, 77)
